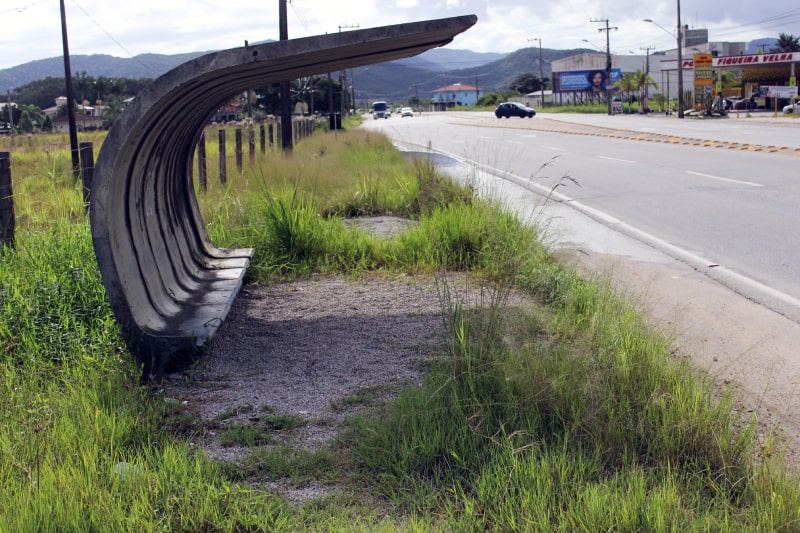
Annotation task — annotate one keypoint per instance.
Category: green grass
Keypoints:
(569, 414)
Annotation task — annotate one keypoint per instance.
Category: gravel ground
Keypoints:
(314, 349)
(303, 348)
(310, 348)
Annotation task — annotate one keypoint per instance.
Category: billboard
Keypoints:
(780, 91)
(586, 80)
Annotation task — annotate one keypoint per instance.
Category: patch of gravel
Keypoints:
(320, 349)
(310, 349)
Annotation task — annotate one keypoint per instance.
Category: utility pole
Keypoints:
(353, 89)
(73, 131)
(680, 63)
(416, 92)
(249, 97)
(286, 96)
(343, 75)
(647, 73)
(10, 115)
(330, 100)
(541, 67)
(607, 29)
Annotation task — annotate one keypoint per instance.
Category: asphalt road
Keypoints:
(721, 195)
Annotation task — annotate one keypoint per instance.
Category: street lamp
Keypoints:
(541, 67)
(590, 42)
(647, 77)
(680, 57)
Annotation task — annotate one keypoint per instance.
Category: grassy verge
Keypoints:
(570, 415)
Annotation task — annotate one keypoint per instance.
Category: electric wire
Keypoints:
(132, 56)
(22, 8)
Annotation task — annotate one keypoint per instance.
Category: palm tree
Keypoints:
(643, 80)
(300, 88)
(627, 84)
(113, 109)
(31, 118)
(727, 78)
(83, 83)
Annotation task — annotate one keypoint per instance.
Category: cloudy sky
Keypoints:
(31, 29)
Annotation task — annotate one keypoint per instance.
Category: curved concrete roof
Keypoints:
(170, 288)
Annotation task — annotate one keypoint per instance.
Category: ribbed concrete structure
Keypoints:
(169, 287)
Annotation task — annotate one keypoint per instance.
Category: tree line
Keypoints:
(33, 98)
(310, 95)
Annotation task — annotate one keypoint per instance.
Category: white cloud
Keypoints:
(146, 26)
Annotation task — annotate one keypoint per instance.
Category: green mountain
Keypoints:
(393, 81)
(396, 81)
(154, 65)
(141, 66)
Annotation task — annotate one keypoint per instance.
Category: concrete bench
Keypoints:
(170, 288)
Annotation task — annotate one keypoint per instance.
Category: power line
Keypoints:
(113, 39)
(23, 8)
(302, 17)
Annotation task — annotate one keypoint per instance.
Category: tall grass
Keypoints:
(573, 417)
(562, 413)
(45, 190)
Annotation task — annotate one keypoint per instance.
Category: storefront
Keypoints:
(753, 72)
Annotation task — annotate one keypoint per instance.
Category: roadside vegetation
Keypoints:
(570, 415)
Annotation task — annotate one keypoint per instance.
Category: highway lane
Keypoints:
(730, 212)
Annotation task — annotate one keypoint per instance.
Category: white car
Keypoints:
(791, 108)
(406, 112)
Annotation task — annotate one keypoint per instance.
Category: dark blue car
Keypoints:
(513, 109)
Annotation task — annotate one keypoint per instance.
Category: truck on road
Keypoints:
(381, 109)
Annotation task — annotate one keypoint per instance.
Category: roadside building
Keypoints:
(455, 95)
(753, 72)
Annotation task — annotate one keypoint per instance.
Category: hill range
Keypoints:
(394, 80)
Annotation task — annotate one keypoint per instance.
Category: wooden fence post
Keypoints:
(271, 136)
(223, 178)
(238, 142)
(201, 161)
(251, 137)
(262, 134)
(87, 172)
(6, 203)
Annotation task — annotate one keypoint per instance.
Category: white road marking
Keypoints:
(616, 159)
(709, 176)
(557, 148)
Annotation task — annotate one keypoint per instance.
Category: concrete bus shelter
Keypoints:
(169, 287)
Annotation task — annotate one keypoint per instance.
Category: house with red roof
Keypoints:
(456, 95)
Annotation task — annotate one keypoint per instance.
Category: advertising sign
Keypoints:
(702, 69)
(703, 78)
(587, 80)
(779, 91)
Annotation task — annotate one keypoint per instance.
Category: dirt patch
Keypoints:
(310, 349)
(324, 348)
